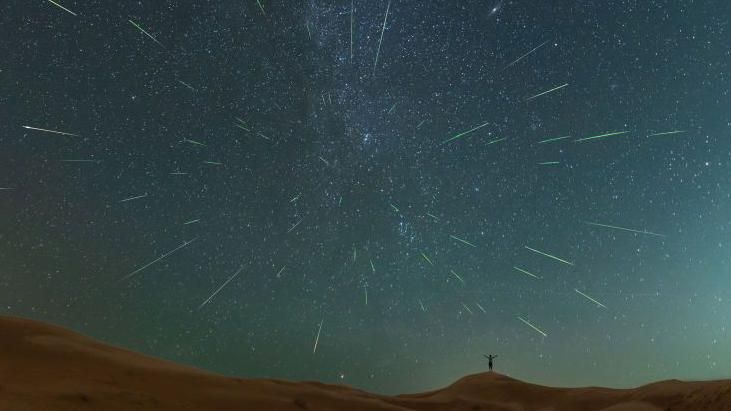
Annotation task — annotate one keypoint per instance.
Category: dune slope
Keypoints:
(44, 367)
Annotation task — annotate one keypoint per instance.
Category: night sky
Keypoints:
(268, 190)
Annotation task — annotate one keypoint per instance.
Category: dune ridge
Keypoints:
(45, 367)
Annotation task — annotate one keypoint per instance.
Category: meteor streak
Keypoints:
(549, 256)
(527, 273)
(187, 85)
(462, 241)
(667, 133)
(464, 133)
(352, 10)
(427, 259)
(197, 143)
(221, 287)
(261, 7)
(525, 55)
(63, 133)
(62, 7)
(614, 133)
(546, 92)
(532, 326)
(146, 33)
(185, 244)
(625, 229)
(378, 52)
(553, 139)
(480, 307)
(133, 198)
(590, 299)
(80, 161)
(457, 275)
(294, 226)
(317, 339)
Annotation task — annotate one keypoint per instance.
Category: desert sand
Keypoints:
(44, 367)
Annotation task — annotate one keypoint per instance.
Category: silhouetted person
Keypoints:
(489, 360)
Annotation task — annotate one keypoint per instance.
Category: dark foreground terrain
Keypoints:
(44, 367)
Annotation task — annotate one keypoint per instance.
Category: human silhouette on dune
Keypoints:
(489, 360)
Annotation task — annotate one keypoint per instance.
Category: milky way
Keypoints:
(374, 193)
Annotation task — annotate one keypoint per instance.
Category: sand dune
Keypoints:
(43, 367)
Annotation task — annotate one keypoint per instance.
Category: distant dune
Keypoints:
(44, 367)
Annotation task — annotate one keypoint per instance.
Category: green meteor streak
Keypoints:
(394, 208)
(462, 241)
(464, 133)
(527, 273)
(457, 275)
(213, 163)
(549, 163)
(427, 259)
(625, 229)
(547, 91)
(666, 133)
(496, 141)
(261, 7)
(553, 139)
(615, 133)
(146, 33)
(187, 85)
(197, 143)
(549, 255)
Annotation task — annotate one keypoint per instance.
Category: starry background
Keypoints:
(261, 143)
